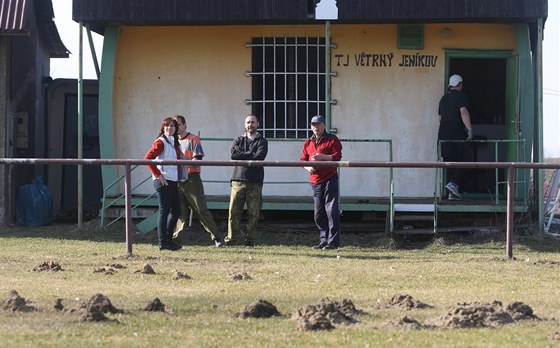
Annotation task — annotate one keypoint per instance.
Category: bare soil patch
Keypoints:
(403, 323)
(96, 308)
(180, 275)
(240, 276)
(105, 270)
(16, 303)
(326, 315)
(157, 306)
(147, 269)
(116, 266)
(475, 314)
(404, 302)
(49, 266)
(259, 309)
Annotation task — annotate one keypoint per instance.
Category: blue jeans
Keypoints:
(327, 215)
(169, 210)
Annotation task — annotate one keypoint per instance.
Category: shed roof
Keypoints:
(14, 15)
(101, 13)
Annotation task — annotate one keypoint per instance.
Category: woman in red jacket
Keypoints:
(165, 177)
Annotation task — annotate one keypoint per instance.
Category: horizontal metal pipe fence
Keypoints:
(128, 163)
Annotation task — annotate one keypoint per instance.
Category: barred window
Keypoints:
(288, 84)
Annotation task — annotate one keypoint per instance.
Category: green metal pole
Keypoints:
(539, 116)
(80, 124)
(328, 74)
(93, 53)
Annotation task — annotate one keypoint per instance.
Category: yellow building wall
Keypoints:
(382, 92)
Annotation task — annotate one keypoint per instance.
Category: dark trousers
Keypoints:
(327, 216)
(169, 210)
(456, 152)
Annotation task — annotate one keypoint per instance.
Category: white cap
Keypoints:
(454, 80)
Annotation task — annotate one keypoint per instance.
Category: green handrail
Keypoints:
(106, 205)
(391, 177)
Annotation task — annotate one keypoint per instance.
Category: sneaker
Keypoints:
(219, 243)
(452, 197)
(320, 245)
(453, 188)
(330, 247)
(171, 246)
(249, 244)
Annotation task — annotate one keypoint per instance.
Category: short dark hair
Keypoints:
(180, 118)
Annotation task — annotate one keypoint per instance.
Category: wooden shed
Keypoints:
(28, 39)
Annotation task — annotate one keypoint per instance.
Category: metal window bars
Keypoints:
(288, 84)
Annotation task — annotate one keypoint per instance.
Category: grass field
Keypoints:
(369, 270)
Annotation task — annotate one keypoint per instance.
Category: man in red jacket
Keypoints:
(323, 146)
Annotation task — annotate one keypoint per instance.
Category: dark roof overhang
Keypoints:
(13, 18)
(14, 22)
(101, 13)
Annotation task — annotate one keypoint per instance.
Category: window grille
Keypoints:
(288, 84)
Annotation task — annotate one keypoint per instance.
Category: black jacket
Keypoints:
(244, 148)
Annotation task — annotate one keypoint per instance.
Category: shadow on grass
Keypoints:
(295, 233)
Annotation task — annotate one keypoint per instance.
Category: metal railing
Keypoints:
(128, 163)
(497, 154)
(116, 200)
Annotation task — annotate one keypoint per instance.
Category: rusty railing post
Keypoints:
(510, 212)
(128, 207)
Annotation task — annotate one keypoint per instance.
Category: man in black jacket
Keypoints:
(455, 124)
(246, 182)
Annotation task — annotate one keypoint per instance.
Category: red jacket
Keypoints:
(328, 144)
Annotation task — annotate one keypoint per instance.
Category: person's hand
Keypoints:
(162, 180)
(311, 170)
(320, 157)
(469, 135)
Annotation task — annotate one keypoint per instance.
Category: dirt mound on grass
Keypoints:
(58, 306)
(157, 306)
(16, 303)
(147, 269)
(403, 323)
(96, 308)
(521, 311)
(50, 266)
(180, 275)
(259, 309)
(404, 302)
(469, 315)
(240, 276)
(325, 315)
(116, 265)
(105, 270)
